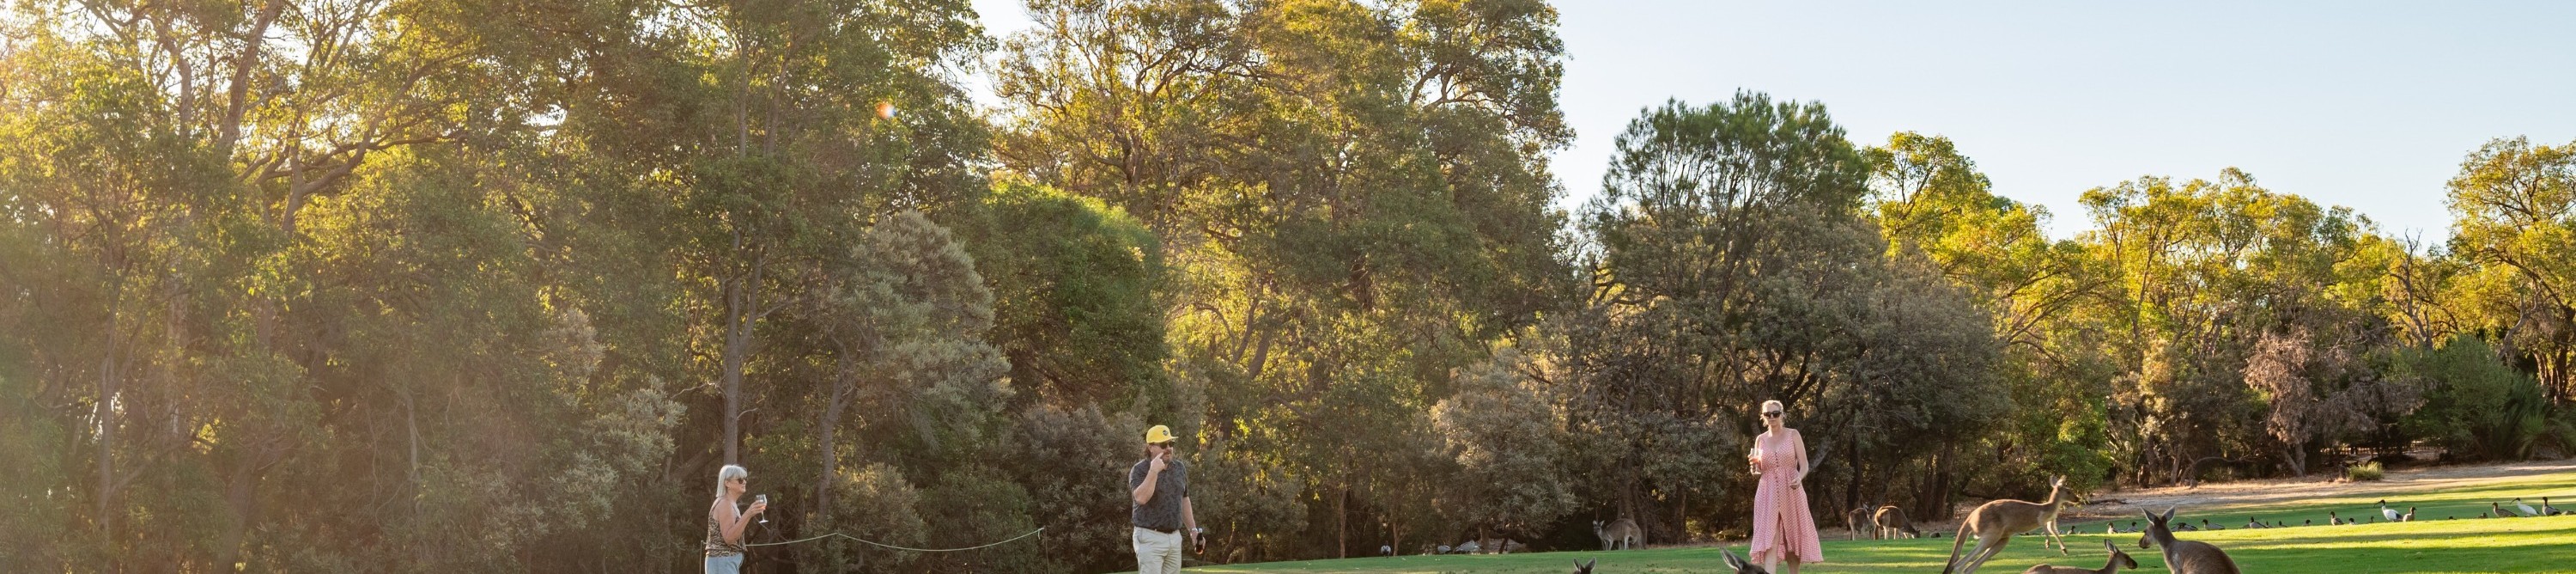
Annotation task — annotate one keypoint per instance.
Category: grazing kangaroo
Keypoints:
(2184, 556)
(1740, 566)
(1622, 534)
(1995, 522)
(1891, 520)
(2119, 560)
(1858, 518)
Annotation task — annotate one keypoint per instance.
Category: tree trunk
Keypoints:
(2554, 376)
(109, 384)
(1342, 520)
(1681, 518)
(1851, 488)
(842, 386)
(742, 301)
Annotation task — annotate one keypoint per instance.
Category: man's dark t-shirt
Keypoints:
(1162, 512)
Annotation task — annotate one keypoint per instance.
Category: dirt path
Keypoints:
(2224, 496)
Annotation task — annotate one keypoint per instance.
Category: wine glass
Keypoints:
(1757, 461)
(760, 499)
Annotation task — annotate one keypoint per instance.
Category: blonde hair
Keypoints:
(1766, 406)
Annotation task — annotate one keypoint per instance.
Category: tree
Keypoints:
(2514, 207)
(906, 316)
(2307, 403)
(1352, 199)
(1732, 267)
(1508, 440)
(1075, 283)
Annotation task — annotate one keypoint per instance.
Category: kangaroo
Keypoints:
(2058, 535)
(1740, 566)
(1622, 534)
(1858, 518)
(1891, 520)
(2119, 560)
(1585, 567)
(1994, 524)
(2184, 556)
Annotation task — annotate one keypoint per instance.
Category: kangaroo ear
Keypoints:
(1587, 564)
(2169, 513)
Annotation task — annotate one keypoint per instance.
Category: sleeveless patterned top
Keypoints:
(717, 547)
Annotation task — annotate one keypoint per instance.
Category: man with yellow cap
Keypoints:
(1162, 505)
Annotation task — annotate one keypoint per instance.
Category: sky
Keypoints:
(2365, 105)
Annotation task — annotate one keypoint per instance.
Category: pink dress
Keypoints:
(1781, 522)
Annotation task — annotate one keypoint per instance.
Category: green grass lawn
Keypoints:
(2428, 545)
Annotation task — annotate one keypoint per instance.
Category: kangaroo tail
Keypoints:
(1948, 566)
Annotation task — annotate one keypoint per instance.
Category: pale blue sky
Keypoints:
(2369, 106)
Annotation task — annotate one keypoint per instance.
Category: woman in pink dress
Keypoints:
(1782, 527)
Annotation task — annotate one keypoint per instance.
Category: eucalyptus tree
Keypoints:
(1352, 198)
(2513, 207)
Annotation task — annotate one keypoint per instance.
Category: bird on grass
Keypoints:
(2525, 508)
(2384, 510)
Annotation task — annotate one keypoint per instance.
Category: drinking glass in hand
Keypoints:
(761, 499)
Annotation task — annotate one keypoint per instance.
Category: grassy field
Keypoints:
(2429, 544)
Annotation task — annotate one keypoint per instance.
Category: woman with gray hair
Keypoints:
(725, 522)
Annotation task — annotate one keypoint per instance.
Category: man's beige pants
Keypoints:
(1156, 552)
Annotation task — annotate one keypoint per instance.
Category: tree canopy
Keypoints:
(434, 285)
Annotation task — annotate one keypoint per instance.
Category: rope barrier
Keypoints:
(881, 544)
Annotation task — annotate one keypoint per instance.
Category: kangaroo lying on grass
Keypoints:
(2119, 560)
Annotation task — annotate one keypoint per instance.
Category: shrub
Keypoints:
(2475, 406)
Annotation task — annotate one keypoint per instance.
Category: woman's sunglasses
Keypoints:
(1771, 415)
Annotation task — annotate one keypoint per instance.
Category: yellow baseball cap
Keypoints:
(1158, 435)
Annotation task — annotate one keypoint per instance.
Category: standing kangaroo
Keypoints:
(1995, 522)
(2118, 560)
(1622, 534)
(1891, 520)
(2184, 556)
(1858, 518)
